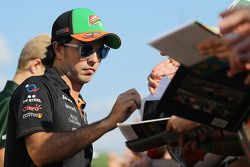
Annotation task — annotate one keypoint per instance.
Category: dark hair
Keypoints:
(50, 54)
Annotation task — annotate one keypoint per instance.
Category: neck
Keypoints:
(21, 76)
(74, 87)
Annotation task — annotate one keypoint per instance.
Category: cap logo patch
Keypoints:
(61, 31)
(94, 20)
(91, 35)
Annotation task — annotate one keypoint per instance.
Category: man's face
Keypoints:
(79, 68)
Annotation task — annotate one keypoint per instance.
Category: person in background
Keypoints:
(29, 64)
(51, 129)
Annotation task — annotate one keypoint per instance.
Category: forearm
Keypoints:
(45, 148)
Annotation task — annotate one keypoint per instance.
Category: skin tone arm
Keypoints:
(45, 148)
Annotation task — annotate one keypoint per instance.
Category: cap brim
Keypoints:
(110, 39)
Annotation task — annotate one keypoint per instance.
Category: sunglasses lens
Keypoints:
(103, 52)
(86, 50)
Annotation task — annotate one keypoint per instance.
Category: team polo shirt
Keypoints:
(5, 96)
(43, 104)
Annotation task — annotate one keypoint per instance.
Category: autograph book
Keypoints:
(200, 90)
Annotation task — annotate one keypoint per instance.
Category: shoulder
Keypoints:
(32, 85)
(8, 89)
(5, 95)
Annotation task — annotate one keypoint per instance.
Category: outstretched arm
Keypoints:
(48, 147)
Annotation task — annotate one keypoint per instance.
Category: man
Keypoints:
(47, 124)
(29, 64)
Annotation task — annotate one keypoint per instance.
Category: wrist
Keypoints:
(108, 124)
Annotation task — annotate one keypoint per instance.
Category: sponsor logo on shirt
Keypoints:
(66, 98)
(33, 115)
(32, 98)
(31, 88)
(70, 107)
(32, 108)
(74, 120)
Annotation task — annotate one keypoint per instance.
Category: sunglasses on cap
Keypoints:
(85, 50)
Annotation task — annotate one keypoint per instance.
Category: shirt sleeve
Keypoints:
(31, 104)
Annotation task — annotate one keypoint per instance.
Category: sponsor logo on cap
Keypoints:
(61, 31)
(91, 35)
(31, 88)
(94, 20)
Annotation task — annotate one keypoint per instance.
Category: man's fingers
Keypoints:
(153, 83)
(233, 18)
(174, 62)
(134, 98)
(242, 46)
(211, 46)
(151, 90)
(132, 105)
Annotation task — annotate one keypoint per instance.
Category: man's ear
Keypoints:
(35, 66)
(58, 50)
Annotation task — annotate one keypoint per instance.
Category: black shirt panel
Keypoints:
(32, 109)
(43, 104)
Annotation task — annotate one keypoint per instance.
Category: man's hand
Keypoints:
(235, 25)
(167, 68)
(124, 106)
(222, 48)
(180, 124)
(234, 19)
(216, 47)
